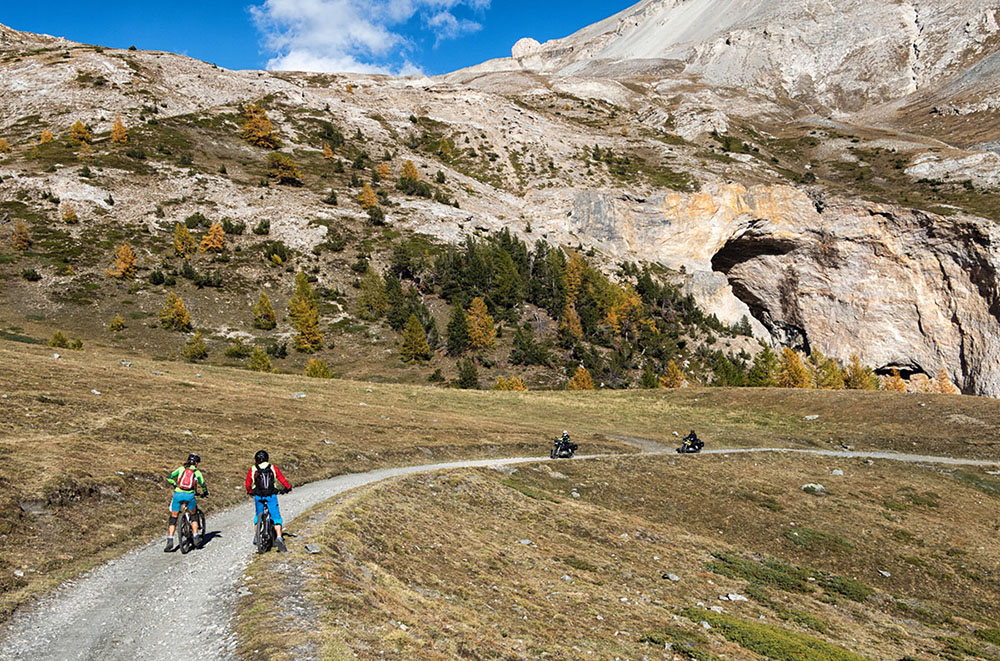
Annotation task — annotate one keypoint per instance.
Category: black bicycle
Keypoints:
(185, 534)
(264, 534)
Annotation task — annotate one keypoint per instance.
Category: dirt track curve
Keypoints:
(151, 605)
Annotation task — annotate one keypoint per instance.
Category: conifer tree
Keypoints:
(20, 240)
(482, 329)
(575, 269)
(318, 369)
(283, 168)
(264, 317)
(259, 361)
(673, 377)
(827, 373)
(257, 128)
(372, 301)
(468, 375)
(117, 324)
(59, 341)
(791, 372)
(397, 310)
(570, 326)
(383, 170)
(581, 380)
(174, 316)
(764, 372)
(86, 151)
(214, 240)
(195, 348)
(458, 331)
(860, 377)
(80, 133)
(4, 146)
(409, 172)
(69, 214)
(894, 383)
(512, 384)
(415, 347)
(942, 384)
(367, 197)
(125, 263)
(327, 151)
(119, 134)
(183, 241)
(648, 380)
(304, 313)
(46, 137)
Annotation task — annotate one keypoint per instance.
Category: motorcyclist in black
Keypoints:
(563, 443)
(691, 443)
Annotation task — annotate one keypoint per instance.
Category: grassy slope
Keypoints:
(67, 452)
(406, 572)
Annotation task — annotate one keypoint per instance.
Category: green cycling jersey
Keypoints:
(199, 479)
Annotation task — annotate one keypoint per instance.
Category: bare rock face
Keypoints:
(899, 288)
(525, 47)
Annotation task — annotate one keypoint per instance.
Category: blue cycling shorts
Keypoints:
(272, 507)
(183, 497)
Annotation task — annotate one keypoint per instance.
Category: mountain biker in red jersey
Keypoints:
(185, 480)
(260, 482)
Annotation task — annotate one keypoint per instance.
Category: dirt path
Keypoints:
(151, 605)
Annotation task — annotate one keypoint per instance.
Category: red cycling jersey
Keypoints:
(277, 475)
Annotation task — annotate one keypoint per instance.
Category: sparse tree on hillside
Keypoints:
(575, 269)
(259, 361)
(69, 214)
(415, 346)
(468, 374)
(214, 240)
(195, 349)
(283, 168)
(318, 369)
(304, 312)
(59, 341)
(86, 151)
(264, 317)
(410, 172)
(125, 263)
(860, 377)
(367, 198)
(117, 324)
(581, 380)
(46, 137)
(894, 383)
(257, 128)
(183, 241)
(512, 384)
(372, 300)
(119, 134)
(327, 151)
(174, 316)
(791, 372)
(4, 146)
(383, 170)
(20, 240)
(80, 133)
(570, 326)
(942, 384)
(673, 378)
(482, 328)
(764, 373)
(458, 331)
(827, 373)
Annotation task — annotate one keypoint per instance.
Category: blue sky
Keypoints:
(433, 36)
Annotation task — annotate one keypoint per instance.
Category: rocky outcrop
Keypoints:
(900, 288)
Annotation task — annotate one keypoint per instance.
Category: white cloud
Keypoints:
(354, 35)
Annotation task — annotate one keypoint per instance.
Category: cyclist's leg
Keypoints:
(193, 513)
(272, 506)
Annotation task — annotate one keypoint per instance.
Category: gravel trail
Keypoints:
(151, 605)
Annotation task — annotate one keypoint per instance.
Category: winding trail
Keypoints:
(149, 605)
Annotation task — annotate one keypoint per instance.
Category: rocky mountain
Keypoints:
(823, 170)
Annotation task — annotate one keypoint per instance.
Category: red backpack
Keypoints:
(187, 480)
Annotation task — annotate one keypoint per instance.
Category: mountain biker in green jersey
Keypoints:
(185, 480)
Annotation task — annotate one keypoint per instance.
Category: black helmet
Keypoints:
(193, 459)
(260, 457)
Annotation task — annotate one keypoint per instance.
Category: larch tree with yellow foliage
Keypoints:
(791, 372)
(304, 313)
(318, 369)
(214, 240)
(575, 269)
(894, 383)
(409, 172)
(673, 378)
(174, 316)
(512, 384)
(125, 263)
(367, 197)
(20, 240)
(327, 151)
(4, 146)
(570, 326)
(415, 347)
(69, 214)
(46, 137)
(263, 313)
(860, 377)
(482, 328)
(80, 133)
(183, 241)
(119, 134)
(258, 129)
(384, 171)
(942, 384)
(581, 380)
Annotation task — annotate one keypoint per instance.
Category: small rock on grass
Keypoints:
(298, 395)
(837, 472)
(312, 549)
(810, 418)
(884, 573)
(814, 489)
(95, 392)
(672, 577)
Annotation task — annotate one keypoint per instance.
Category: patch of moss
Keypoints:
(818, 541)
(534, 494)
(686, 644)
(770, 641)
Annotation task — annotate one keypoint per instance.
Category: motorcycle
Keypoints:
(562, 449)
(691, 444)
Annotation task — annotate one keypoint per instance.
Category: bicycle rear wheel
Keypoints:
(185, 537)
(265, 533)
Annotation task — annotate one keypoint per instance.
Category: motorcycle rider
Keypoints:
(692, 442)
(564, 443)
